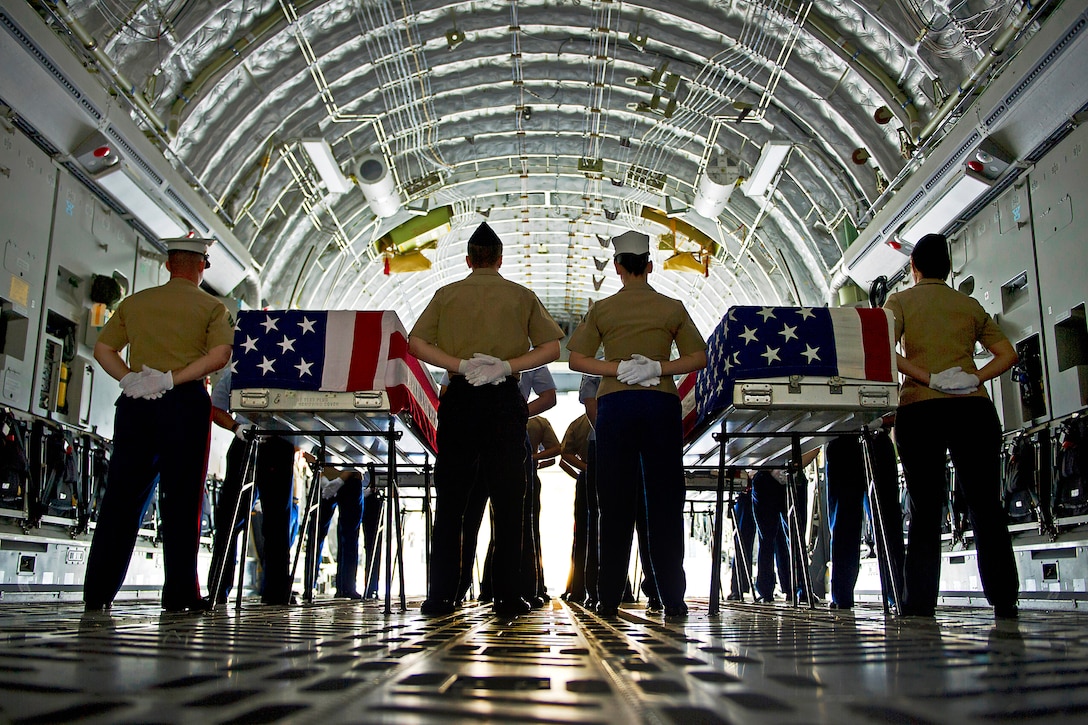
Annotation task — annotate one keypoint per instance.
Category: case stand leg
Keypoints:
(230, 548)
(716, 556)
(392, 526)
(888, 579)
(795, 534)
(307, 540)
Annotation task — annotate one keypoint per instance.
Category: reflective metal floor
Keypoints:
(344, 662)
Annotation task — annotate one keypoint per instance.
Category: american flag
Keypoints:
(772, 342)
(334, 351)
(309, 350)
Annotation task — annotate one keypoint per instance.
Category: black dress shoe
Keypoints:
(196, 605)
(676, 610)
(349, 595)
(1006, 611)
(734, 598)
(511, 607)
(97, 607)
(607, 610)
(840, 607)
(436, 607)
(537, 602)
(653, 605)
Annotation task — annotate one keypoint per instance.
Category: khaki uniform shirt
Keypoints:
(576, 439)
(936, 328)
(169, 326)
(485, 313)
(541, 434)
(637, 319)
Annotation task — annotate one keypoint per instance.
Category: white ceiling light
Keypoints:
(119, 183)
(322, 158)
(966, 188)
(770, 161)
(377, 184)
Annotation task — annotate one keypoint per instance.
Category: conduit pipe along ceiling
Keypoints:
(557, 121)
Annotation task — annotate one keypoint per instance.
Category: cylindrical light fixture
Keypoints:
(714, 189)
(377, 184)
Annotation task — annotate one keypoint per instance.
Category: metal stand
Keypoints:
(795, 534)
(888, 580)
(245, 490)
(716, 555)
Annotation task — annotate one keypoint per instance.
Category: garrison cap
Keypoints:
(631, 243)
(485, 236)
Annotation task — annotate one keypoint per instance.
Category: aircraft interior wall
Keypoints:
(1022, 257)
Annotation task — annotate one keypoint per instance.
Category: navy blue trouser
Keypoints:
(769, 508)
(275, 476)
(349, 499)
(847, 486)
(968, 430)
(640, 453)
(164, 440)
(481, 442)
(744, 540)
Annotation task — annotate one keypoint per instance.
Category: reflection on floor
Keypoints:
(344, 662)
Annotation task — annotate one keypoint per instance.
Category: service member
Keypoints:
(339, 490)
(943, 410)
(274, 473)
(483, 330)
(847, 486)
(575, 461)
(639, 434)
(176, 334)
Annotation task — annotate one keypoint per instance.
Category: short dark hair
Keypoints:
(931, 258)
(180, 259)
(634, 263)
(482, 256)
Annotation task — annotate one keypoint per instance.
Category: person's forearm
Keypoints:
(111, 361)
(542, 402)
(550, 452)
(216, 359)
(911, 370)
(684, 363)
(540, 355)
(1004, 358)
(222, 418)
(433, 355)
(574, 461)
(591, 365)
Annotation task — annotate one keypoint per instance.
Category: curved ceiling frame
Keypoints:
(779, 228)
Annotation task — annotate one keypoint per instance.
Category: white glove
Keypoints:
(152, 385)
(639, 370)
(493, 370)
(241, 431)
(467, 366)
(131, 378)
(954, 380)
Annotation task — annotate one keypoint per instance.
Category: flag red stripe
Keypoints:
(874, 336)
(364, 357)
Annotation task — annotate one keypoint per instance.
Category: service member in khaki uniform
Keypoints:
(943, 410)
(176, 334)
(639, 431)
(482, 329)
(575, 461)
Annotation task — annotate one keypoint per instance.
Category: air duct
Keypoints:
(374, 179)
